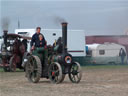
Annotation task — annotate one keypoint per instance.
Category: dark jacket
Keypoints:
(41, 43)
(36, 42)
(122, 53)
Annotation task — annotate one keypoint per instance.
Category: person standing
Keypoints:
(35, 39)
(122, 55)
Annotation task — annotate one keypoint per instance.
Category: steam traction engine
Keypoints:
(12, 51)
(53, 62)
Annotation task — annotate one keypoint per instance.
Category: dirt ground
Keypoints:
(95, 82)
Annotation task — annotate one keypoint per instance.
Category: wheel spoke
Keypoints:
(77, 76)
(72, 77)
(56, 78)
(32, 76)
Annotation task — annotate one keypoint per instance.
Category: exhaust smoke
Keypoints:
(5, 23)
(59, 20)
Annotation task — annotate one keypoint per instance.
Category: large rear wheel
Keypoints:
(75, 73)
(33, 69)
(55, 73)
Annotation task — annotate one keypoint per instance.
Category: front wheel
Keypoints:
(75, 73)
(33, 69)
(55, 73)
(12, 64)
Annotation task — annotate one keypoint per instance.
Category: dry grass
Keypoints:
(95, 82)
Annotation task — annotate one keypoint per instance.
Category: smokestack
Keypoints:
(64, 36)
(5, 37)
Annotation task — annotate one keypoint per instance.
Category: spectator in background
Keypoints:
(122, 55)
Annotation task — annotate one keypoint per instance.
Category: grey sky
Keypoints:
(94, 16)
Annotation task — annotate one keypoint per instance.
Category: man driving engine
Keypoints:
(38, 39)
